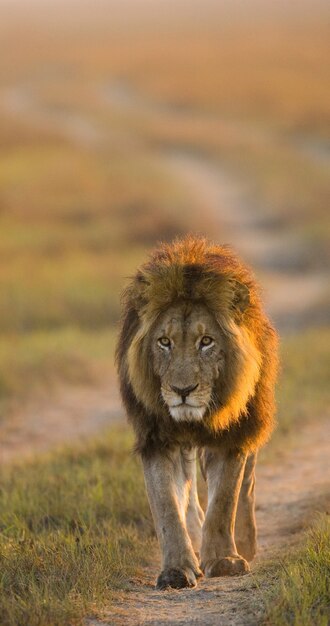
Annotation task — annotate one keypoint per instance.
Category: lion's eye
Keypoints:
(164, 342)
(206, 342)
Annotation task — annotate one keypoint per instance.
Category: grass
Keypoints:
(300, 591)
(74, 527)
(303, 388)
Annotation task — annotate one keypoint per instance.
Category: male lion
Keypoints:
(197, 360)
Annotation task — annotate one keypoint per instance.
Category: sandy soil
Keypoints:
(69, 415)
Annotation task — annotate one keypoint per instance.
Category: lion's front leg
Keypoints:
(168, 490)
(194, 511)
(245, 528)
(224, 473)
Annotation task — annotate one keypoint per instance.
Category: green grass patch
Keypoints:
(300, 593)
(37, 361)
(74, 527)
(303, 389)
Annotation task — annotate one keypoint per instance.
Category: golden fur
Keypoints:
(193, 271)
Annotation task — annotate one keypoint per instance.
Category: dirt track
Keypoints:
(72, 414)
(288, 495)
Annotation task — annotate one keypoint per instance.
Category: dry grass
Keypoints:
(73, 528)
(267, 62)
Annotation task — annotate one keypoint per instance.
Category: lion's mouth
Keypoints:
(187, 412)
(186, 404)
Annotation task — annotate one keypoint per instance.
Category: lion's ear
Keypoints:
(141, 281)
(241, 299)
(139, 291)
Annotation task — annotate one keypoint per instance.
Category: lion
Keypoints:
(197, 362)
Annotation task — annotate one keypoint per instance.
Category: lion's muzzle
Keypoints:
(185, 403)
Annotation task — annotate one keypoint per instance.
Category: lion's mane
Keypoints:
(193, 270)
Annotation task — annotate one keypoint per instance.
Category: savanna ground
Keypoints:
(120, 128)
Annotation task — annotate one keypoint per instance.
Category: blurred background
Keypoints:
(127, 122)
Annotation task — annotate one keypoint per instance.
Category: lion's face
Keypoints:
(188, 350)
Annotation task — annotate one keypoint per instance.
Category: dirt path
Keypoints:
(292, 294)
(289, 493)
(70, 414)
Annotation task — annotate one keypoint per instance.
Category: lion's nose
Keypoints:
(184, 391)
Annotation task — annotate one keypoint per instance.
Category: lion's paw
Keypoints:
(227, 566)
(247, 549)
(177, 578)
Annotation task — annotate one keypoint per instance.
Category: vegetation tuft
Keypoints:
(73, 528)
(300, 595)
